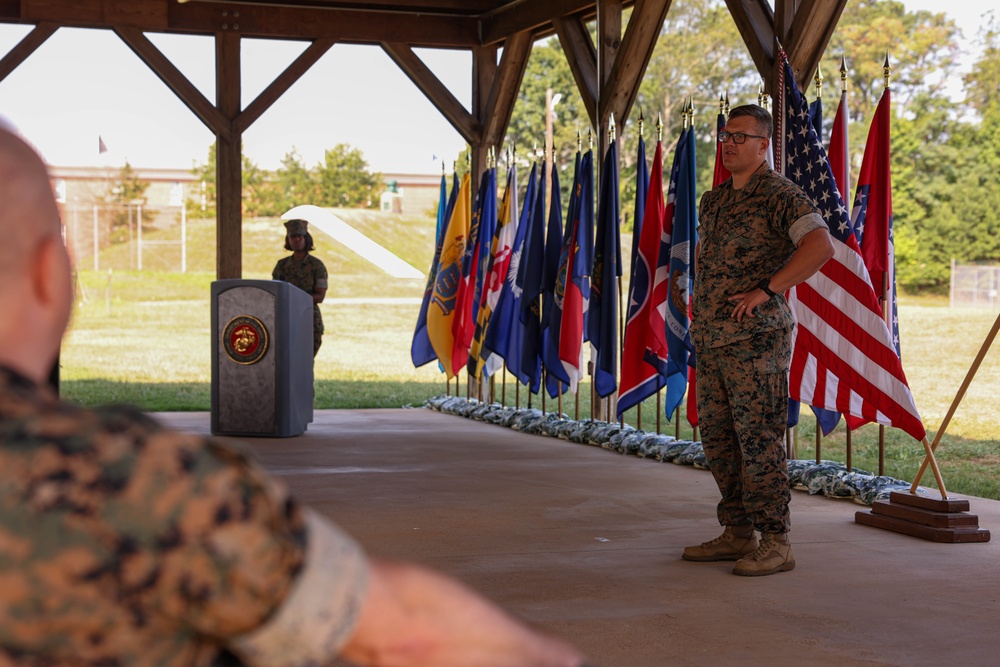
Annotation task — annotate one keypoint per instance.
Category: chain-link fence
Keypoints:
(975, 286)
(102, 237)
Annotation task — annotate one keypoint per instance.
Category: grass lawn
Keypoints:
(144, 338)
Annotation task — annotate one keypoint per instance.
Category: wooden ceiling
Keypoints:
(607, 70)
(421, 23)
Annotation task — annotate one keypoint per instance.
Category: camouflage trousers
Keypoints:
(317, 330)
(742, 414)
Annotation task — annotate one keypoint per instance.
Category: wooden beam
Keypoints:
(811, 31)
(28, 45)
(755, 21)
(517, 17)
(503, 94)
(282, 83)
(228, 161)
(360, 26)
(484, 75)
(609, 40)
(633, 57)
(175, 80)
(439, 95)
(582, 58)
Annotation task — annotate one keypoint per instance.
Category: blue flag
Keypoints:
(641, 191)
(576, 295)
(421, 350)
(554, 279)
(604, 316)
(505, 333)
(683, 238)
(530, 269)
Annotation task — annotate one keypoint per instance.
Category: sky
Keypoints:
(92, 85)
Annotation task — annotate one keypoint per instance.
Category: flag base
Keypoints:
(936, 520)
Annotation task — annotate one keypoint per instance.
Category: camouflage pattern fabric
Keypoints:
(308, 274)
(744, 236)
(742, 411)
(122, 542)
(747, 235)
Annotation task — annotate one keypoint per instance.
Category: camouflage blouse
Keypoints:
(124, 543)
(308, 274)
(744, 236)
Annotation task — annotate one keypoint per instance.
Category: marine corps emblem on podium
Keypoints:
(245, 339)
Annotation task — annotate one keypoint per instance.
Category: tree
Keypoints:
(127, 191)
(344, 179)
(922, 47)
(982, 84)
(295, 182)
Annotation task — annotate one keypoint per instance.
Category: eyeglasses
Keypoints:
(737, 137)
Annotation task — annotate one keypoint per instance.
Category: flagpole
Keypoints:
(886, 312)
(659, 408)
(503, 385)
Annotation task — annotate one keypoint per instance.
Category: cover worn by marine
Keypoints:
(747, 235)
(124, 543)
(308, 274)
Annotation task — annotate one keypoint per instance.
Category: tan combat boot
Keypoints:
(773, 555)
(731, 545)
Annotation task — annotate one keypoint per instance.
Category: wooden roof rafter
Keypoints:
(804, 28)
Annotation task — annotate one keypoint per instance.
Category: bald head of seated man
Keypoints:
(35, 285)
(123, 542)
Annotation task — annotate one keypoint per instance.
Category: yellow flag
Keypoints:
(441, 310)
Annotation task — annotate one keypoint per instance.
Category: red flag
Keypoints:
(639, 379)
(576, 298)
(840, 152)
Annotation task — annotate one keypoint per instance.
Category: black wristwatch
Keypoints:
(763, 285)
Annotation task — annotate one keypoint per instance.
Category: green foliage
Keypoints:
(129, 193)
(982, 84)
(343, 179)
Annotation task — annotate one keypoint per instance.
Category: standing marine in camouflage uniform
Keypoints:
(124, 543)
(759, 235)
(304, 271)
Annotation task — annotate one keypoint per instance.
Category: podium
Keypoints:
(262, 358)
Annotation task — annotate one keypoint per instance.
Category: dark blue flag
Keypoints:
(556, 250)
(641, 191)
(683, 239)
(529, 277)
(604, 316)
(506, 333)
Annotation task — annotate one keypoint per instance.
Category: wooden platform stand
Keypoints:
(944, 520)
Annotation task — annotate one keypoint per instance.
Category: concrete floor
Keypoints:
(585, 543)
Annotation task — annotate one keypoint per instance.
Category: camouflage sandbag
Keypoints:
(553, 426)
(631, 443)
(672, 450)
(602, 435)
(582, 431)
(525, 417)
(699, 460)
(614, 442)
(537, 426)
(797, 468)
(653, 444)
(872, 488)
(836, 484)
(686, 457)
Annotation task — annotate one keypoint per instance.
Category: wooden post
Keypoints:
(229, 160)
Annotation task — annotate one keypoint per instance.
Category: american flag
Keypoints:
(843, 356)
